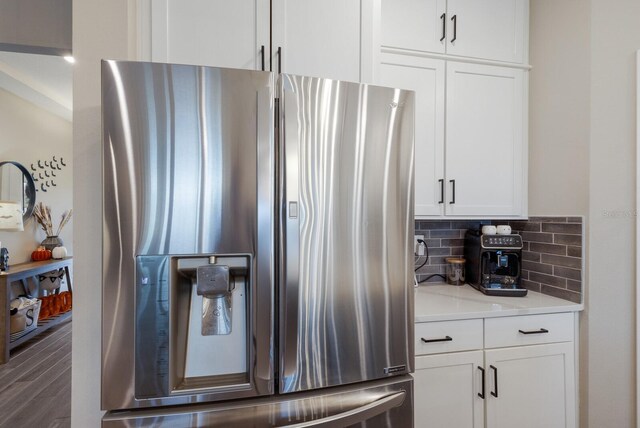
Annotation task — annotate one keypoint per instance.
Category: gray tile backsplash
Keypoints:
(552, 253)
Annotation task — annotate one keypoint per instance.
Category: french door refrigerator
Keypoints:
(257, 249)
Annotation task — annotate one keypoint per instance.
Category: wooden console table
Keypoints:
(22, 272)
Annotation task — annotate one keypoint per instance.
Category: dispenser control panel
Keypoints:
(502, 241)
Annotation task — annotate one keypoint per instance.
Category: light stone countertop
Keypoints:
(449, 302)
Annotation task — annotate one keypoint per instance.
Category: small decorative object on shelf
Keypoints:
(42, 213)
(59, 252)
(4, 259)
(51, 281)
(51, 242)
(41, 254)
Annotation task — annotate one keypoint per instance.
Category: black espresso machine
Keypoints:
(493, 263)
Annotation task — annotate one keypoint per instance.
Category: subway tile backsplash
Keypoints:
(552, 253)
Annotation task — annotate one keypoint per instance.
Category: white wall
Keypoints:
(28, 134)
(615, 37)
(101, 29)
(583, 100)
(559, 51)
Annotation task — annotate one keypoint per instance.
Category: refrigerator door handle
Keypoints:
(292, 211)
(359, 414)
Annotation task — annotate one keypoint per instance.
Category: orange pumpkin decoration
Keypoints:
(45, 307)
(40, 254)
(57, 304)
(66, 301)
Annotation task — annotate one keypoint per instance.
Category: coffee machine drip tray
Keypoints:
(500, 289)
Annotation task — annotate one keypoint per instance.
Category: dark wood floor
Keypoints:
(35, 385)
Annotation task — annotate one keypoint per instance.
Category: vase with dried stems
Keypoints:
(42, 214)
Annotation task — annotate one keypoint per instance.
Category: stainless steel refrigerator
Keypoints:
(258, 249)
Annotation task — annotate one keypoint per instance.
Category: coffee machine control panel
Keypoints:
(502, 241)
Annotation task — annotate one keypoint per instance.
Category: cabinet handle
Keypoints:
(444, 26)
(453, 191)
(481, 394)
(455, 27)
(442, 339)
(279, 60)
(495, 381)
(262, 56)
(541, 331)
(441, 181)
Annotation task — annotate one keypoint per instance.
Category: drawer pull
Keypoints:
(481, 394)
(541, 331)
(442, 339)
(495, 381)
(453, 191)
(455, 28)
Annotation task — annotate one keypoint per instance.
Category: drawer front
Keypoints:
(528, 330)
(448, 336)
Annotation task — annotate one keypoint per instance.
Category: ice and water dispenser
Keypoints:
(192, 321)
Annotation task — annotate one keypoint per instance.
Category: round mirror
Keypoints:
(16, 184)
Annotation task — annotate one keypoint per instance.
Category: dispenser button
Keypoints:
(293, 210)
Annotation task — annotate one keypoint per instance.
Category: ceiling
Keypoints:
(43, 80)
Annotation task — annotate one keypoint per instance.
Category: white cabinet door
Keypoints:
(426, 77)
(414, 24)
(488, 29)
(446, 389)
(216, 33)
(485, 168)
(535, 386)
(317, 38)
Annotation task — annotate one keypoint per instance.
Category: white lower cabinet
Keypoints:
(522, 375)
(446, 390)
(535, 386)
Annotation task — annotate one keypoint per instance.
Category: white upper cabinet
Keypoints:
(485, 164)
(317, 38)
(414, 24)
(216, 33)
(470, 137)
(312, 38)
(493, 30)
(426, 77)
(466, 60)
(488, 29)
